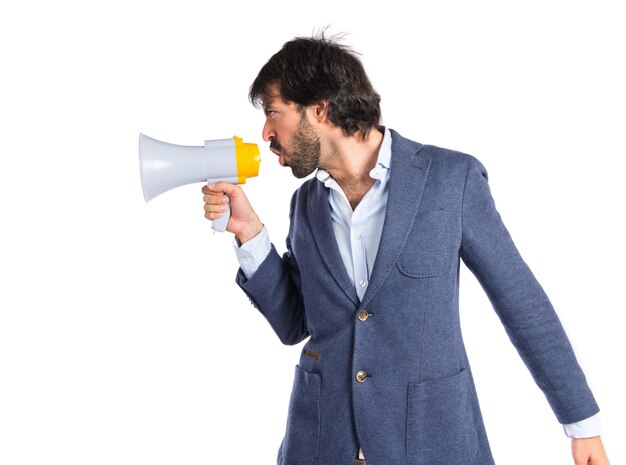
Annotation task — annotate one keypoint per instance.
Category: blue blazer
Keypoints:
(390, 373)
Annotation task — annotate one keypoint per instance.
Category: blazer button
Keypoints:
(361, 376)
(363, 315)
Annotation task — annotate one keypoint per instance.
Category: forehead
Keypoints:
(273, 98)
(269, 101)
(271, 95)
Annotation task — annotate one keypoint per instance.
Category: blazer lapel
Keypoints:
(322, 227)
(409, 171)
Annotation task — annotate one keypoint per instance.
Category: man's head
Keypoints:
(307, 71)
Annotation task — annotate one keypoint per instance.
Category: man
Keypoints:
(371, 277)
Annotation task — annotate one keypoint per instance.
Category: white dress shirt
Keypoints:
(358, 234)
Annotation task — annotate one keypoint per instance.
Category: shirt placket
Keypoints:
(358, 226)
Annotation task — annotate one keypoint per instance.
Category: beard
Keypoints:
(304, 157)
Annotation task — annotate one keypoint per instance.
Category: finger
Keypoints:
(215, 208)
(224, 187)
(214, 188)
(215, 199)
(210, 189)
(213, 215)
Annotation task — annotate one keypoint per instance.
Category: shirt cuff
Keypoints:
(587, 428)
(252, 253)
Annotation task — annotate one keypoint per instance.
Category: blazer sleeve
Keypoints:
(520, 302)
(274, 289)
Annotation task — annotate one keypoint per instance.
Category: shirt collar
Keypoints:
(380, 170)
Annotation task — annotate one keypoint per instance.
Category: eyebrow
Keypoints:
(268, 106)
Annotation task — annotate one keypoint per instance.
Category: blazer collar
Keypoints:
(322, 227)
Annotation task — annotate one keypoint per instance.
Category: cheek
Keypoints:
(286, 139)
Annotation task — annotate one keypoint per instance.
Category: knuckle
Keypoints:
(213, 208)
(212, 198)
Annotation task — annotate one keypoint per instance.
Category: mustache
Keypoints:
(274, 144)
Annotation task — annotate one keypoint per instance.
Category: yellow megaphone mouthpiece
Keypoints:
(248, 159)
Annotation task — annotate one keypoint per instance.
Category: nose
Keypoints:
(268, 132)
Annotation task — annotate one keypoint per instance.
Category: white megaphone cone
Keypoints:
(164, 166)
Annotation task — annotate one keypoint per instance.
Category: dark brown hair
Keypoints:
(308, 70)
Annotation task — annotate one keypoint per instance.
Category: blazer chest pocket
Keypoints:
(301, 443)
(425, 251)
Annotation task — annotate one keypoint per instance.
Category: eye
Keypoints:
(270, 113)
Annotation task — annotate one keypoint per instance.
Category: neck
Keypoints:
(349, 160)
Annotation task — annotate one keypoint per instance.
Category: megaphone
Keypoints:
(164, 166)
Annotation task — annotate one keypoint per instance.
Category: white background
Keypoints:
(123, 337)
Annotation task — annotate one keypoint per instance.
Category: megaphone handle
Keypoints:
(221, 223)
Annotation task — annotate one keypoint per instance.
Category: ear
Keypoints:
(320, 111)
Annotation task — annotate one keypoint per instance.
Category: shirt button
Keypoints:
(357, 237)
(363, 283)
(363, 315)
(361, 376)
(247, 259)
